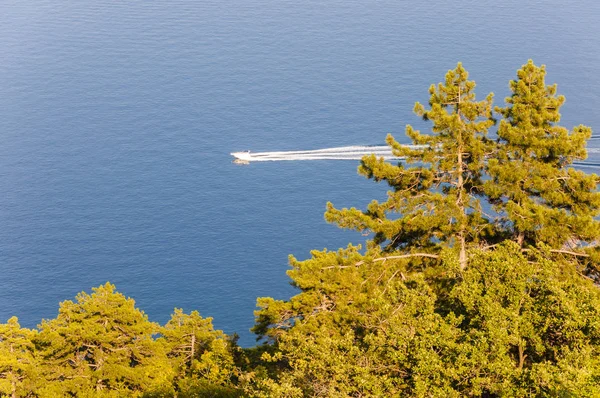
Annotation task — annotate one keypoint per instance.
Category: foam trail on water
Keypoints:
(355, 152)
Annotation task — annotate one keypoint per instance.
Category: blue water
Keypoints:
(117, 119)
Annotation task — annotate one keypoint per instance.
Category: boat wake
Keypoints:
(340, 153)
(355, 152)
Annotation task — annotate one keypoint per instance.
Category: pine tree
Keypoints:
(101, 345)
(541, 198)
(517, 321)
(17, 360)
(201, 355)
(438, 196)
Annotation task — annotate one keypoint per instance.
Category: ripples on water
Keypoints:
(117, 120)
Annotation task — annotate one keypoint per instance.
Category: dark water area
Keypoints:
(117, 120)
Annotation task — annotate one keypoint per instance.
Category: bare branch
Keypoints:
(428, 255)
(570, 252)
(563, 252)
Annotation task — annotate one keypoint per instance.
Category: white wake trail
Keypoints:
(355, 152)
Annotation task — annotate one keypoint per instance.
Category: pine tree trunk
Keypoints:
(521, 356)
(462, 258)
(13, 383)
(520, 238)
(193, 350)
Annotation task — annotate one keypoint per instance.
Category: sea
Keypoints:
(117, 119)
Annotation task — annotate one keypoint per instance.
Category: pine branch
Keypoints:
(428, 255)
(569, 252)
(563, 252)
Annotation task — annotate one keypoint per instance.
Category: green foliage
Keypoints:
(197, 351)
(101, 345)
(444, 302)
(436, 195)
(17, 361)
(191, 387)
(541, 198)
(526, 174)
(508, 325)
(531, 325)
(359, 327)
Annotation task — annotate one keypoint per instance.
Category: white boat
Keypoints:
(244, 155)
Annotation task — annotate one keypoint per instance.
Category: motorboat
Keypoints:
(244, 155)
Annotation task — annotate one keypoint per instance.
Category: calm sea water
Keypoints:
(117, 119)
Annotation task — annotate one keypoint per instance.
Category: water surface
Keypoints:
(117, 120)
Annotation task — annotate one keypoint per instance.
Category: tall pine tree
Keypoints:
(517, 321)
(437, 193)
(540, 197)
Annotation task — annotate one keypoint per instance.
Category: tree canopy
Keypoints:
(471, 284)
(101, 345)
(509, 325)
(17, 360)
(463, 189)
(540, 196)
(480, 278)
(437, 192)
